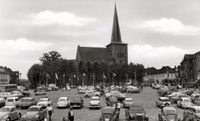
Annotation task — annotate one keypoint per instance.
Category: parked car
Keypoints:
(82, 91)
(2, 102)
(6, 94)
(9, 113)
(192, 114)
(168, 114)
(184, 102)
(178, 97)
(133, 89)
(35, 113)
(63, 102)
(95, 102)
(45, 101)
(112, 101)
(136, 113)
(163, 101)
(76, 102)
(12, 101)
(40, 92)
(120, 96)
(17, 94)
(53, 87)
(89, 94)
(25, 92)
(196, 102)
(157, 86)
(26, 102)
(109, 114)
(127, 102)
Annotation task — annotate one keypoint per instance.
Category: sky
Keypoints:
(158, 32)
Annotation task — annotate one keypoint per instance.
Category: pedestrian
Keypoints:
(49, 111)
(70, 114)
(118, 106)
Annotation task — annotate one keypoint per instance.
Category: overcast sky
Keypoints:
(158, 32)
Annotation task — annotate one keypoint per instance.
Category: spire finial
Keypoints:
(116, 34)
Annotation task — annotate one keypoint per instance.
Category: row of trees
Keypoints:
(54, 69)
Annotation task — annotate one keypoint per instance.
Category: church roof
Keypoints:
(116, 34)
(95, 54)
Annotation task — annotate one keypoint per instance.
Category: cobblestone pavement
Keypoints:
(146, 98)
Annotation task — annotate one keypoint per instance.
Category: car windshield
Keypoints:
(95, 99)
(10, 100)
(186, 100)
(129, 100)
(43, 99)
(25, 100)
(164, 99)
(170, 111)
(5, 109)
(136, 109)
(62, 100)
(171, 117)
(33, 109)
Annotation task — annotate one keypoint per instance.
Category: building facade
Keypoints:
(7, 76)
(4, 76)
(115, 52)
(190, 68)
(160, 76)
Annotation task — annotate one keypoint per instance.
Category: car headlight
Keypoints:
(4, 118)
(36, 116)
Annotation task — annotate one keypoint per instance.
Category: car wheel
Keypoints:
(8, 119)
(166, 104)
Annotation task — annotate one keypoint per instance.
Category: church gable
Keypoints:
(94, 54)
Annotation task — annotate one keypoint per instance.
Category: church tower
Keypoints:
(117, 48)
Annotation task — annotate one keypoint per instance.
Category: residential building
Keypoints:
(163, 75)
(190, 68)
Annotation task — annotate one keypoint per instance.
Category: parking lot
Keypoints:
(146, 98)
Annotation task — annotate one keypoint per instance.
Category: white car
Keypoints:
(12, 101)
(128, 102)
(44, 102)
(63, 102)
(185, 102)
(95, 102)
(17, 94)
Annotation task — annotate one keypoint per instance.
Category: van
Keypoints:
(12, 101)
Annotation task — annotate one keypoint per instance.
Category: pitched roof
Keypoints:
(116, 34)
(95, 54)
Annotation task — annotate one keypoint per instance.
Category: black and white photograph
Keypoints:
(99, 60)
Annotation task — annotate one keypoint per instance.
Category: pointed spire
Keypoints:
(116, 35)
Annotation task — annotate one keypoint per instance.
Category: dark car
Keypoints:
(136, 113)
(168, 114)
(112, 101)
(35, 113)
(109, 114)
(76, 102)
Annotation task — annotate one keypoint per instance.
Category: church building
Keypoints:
(114, 52)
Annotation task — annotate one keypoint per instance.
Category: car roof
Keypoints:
(36, 106)
(169, 108)
(196, 107)
(185, 98)
(163, 98)
(9, 107)
(63, 97)
(108, 109)
(27, 98)
(12, 97)
(94, 97)
(128, 98)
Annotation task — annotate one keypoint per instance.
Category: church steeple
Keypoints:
(116, 34)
